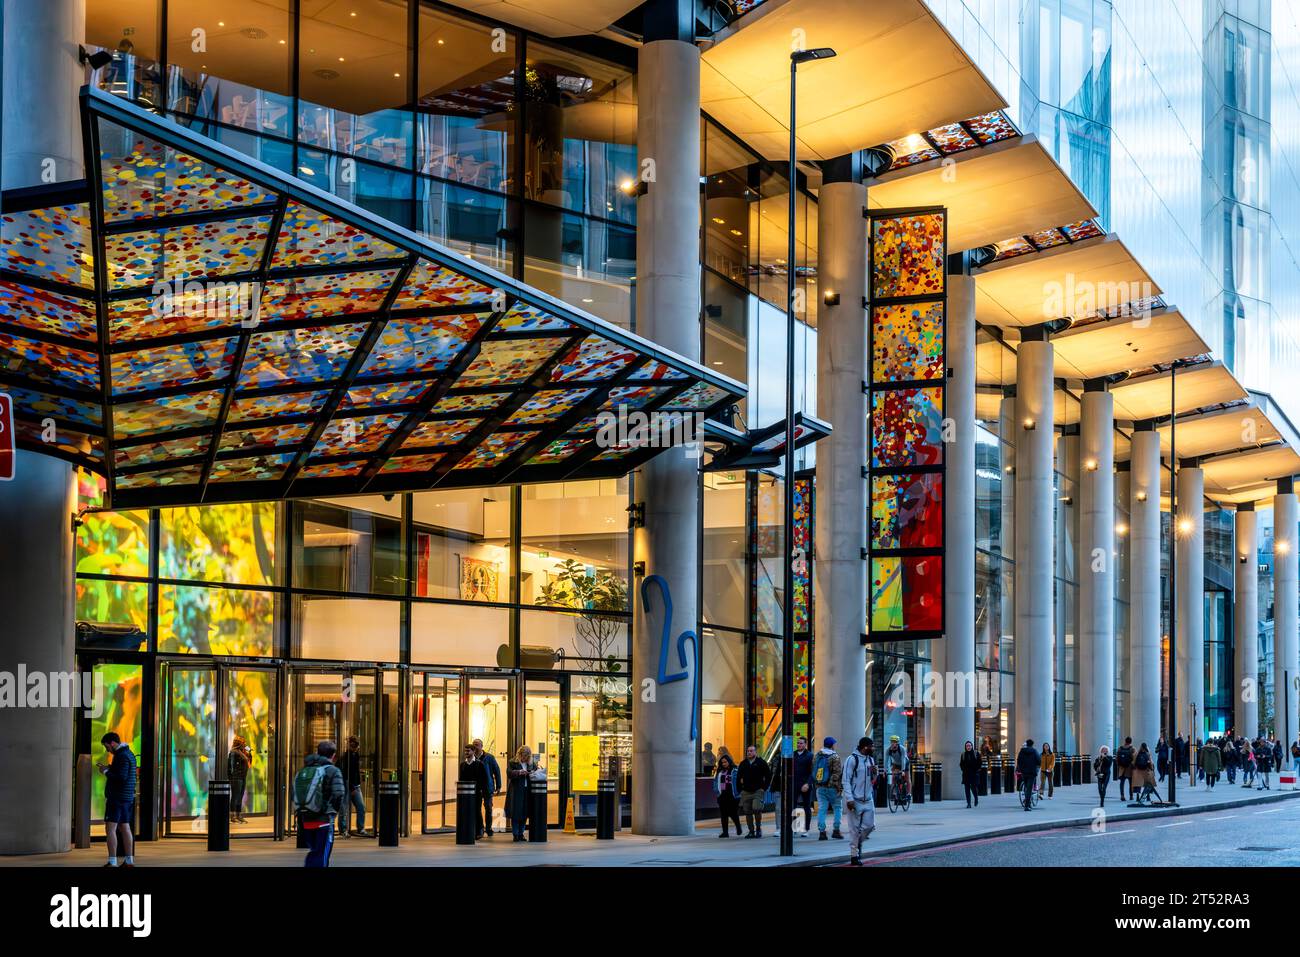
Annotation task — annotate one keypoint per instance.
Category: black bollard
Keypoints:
(936, 781)
(918, 783)
(1087, 769)
(995, 773)
(1057, 769)
(605, 804)
(537, 811)
(984, 777)
(1009, 775)
(218, 815)
(390, 810)
(466, 811)
(882, 793)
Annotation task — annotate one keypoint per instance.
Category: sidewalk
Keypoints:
(925, 825)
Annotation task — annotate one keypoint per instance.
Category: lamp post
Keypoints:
(787, 575)
(1172, 719)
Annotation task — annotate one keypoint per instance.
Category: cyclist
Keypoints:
(896, 765)
(1027, 765)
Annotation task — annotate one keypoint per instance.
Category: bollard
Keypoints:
(936, 781)
(995, 773)
(218, 815)
(606, 800)
(537, 811)
(1086, 769)
(1009, 775)
(882, 792)
(1076, 776)
(918, 783)
(1057, 770)
(984, 777)
(81, 813)
(466, 811)
(390, 810)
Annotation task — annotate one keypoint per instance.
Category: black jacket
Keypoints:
(477, 772)
(1101, 767)
(803, 768)
(753, 775)
(349, 763)
(1028, 762)
(119, 780)
(970, 767)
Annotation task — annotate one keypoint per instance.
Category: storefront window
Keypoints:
(204, 620)
(462, 544)
(346, 629)
(563, 640)
(722, 692)
(220, 543)
(444, 633)
(574, 545)
(770, 551)
(349, 545)
(726, 568)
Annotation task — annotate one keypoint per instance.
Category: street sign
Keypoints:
(6, 438)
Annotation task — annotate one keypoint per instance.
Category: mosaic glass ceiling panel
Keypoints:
(247, 336)
(1045, 239)
(949, 139)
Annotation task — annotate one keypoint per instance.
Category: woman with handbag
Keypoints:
(517, 772)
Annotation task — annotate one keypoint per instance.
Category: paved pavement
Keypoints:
(925, 826)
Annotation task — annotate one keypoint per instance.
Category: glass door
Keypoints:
(543, 724)
(219, 724)
(435, 751)
(335, 704)
(487, 715)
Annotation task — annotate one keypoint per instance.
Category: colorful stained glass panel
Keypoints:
(327, 296)
(991, 127)
(53, 243)
(357, 434)
(495, 448)
(910, 150)
(182, 253)
(548, 405)
(504, 362)
(388, 393)
(39, 405)
(907, 342)
(470, 402)
(257, 468)
(420, 345)
(188, 410)
(299, 356)
(188, 363)
(165, 451)
(248, 407)
(430, 284)
(908, 256)
(47, 362)
(310, 237)
(47, 311)
(523, 316)
(315, 470)
(411, 463)
(906, 427)
(440, 432)
(952, 138)
(558, 451)
(289, 434)
(593, 359)
(907, 594)
(699, 397)
(906, 511)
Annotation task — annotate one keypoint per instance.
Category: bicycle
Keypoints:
(900, 795)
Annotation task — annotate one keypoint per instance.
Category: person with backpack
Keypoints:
(1162, 756)
(1027, 765)
(1124, 767)
(318, 796)
(859, 777)
(1144, 773)
(1264, 762)
(754, 777)
(727, 791)
(119, 799)
(970, 774)
(1102, 765)
(827, 777)
(1211, 760)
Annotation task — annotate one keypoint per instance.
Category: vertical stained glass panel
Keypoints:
(907, 342)
(802, 571)
(907, 594)
(907, 256)
(906, 428)
(906, 511)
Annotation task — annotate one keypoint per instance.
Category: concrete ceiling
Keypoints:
(552, 18)
(992, 192)
(1125, 344)
(897, 71)
(1148, 396)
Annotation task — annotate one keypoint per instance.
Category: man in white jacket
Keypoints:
(859, 798)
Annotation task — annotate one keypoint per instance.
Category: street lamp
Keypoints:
(787, 575)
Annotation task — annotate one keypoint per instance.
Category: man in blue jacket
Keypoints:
(119, 799)
(494, 781)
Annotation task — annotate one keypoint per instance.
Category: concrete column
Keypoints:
(1122, 572)
(42, 135)
(1285, 612)
(1034, 537)
(1145, 719)
(668, 309)
(1189, 696)
(1245, 623)
(953, 657)
(1009, 431)
(841, 574)
(1096, 569)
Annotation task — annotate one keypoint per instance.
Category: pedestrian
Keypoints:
(1180, 755)
(827, 778)
(517, 772)
(493, 769)
(1247, 764)
(708, 760)
(897, 764)
(1144, 773)
(119, 799)
(349, 765)
(1047, 762)
(238, 762)
(754, 777)
(970, 774)
(1279, 759)
(987, 748)
(1101, 768)
(318, 797)
(1295, 754)
(472, 769)
(1027, 764)
(1212, 763)
(1231, 759)
(803, 788)
(859, 798)
(1263, 762)
(727, 791)
(1162, 756)
(1124, 767)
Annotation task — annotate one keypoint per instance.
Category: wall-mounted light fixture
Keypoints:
(1281, 546)
(1242, 559)
(636, 515)
(1185, 526)
(1141, 496)
(634, 187)
(1090, 465)
(1121, 529)
(831, 298)
(1030, 425)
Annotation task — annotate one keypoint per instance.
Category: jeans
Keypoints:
(1027, 785)
(320, 842)
(827, 797)
(1045, 784)
(1296, 761)
(729, 810)
(1101, 790)
(487, 810)
(355, 800)
(237, 786)
(803, 801)
(972, 792)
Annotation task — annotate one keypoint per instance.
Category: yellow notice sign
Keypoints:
(584, 762)
(570, 827)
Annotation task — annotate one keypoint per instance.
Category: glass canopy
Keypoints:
(197, 326)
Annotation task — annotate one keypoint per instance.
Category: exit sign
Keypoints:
(6, 438)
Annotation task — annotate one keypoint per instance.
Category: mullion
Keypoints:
(53, 388)
(44, 335)
(45, 284)
(196, 217)
(496, 417)
(431, 398)
(99, 267)
(355, 363)
(241, 348)
(559, 428)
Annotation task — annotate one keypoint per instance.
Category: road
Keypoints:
(1238, 837)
